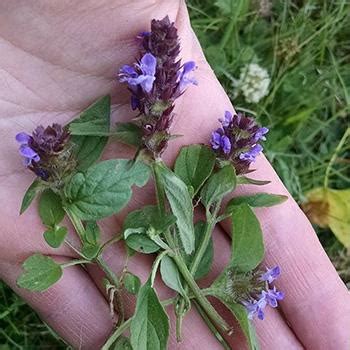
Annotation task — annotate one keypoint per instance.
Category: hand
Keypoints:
(57, 58)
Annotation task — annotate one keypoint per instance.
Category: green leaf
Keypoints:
(128, 133)
(244, 180)
(122, 343)
(256, 200)
(194, 165)
(50, 208)
(40, 273)
(55, 236)
(170, 275)
(207, 260)
(247, 239)
(150, 324)
(219, 184)
(105, 188)
(141, 243)
(93, 121)
(180, 203)
(92, 232)
(131, 283)
(241, 315)
(88, 150)
(30, 194)
(140, 226)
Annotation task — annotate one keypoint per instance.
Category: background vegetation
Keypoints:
(305, 47)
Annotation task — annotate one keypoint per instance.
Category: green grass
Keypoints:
(305, 46)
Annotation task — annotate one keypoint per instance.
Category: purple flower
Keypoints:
(25, 150)
(271, 274)
(255, 307)
(259, 135)
(272, 296)
(251, 154)
(238, 140)
(185, 77)
(227, 119)
(145, 78)
(220, 141)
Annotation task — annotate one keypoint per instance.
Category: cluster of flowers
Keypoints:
(156, 81)
(44, 151)
(253, 82)
(238, 140)
(255, 305)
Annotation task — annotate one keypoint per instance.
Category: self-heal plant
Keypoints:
(71, 182)
(238, 140)
(156, 81)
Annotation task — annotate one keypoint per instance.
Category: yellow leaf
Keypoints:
(330, 208)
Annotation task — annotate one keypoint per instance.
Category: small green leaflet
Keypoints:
(128, 133)
(122, 343)
(170, 275)
(50, 208)
(92, 121)
(150, 324)
(30, 194)
(91, 247)
(207, 260)
(140, 226)
(247, 239)
(194, 165)
(88, 149)
(105, 188)
(90, 132)
(244, 180)
(40, 273)
(55, 236)
(256, 200)
(219, 184)
(131, 283)
(181, 204)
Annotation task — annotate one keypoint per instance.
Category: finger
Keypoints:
(74, 307)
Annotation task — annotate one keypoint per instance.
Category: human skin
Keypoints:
(58, 57)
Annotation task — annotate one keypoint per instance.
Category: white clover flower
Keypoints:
(253, 82)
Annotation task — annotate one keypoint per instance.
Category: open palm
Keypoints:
(58, 57)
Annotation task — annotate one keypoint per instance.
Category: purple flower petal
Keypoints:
(23, 138)
(185, 77)
(227, 119)
(271, 274)
(251, 154)
(259, 135)
(225, 144)
(148, 64)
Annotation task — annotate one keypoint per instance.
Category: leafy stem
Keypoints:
(79, 227)
(181, 265)
(75, 262)
(211, 221)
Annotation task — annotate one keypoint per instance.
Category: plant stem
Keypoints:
(201, 299)
(76, 262)
(193, 269)
(178, 259)
(79, 227)
(213, 328)
(125, 325)
(334, 157)
(116, 334)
